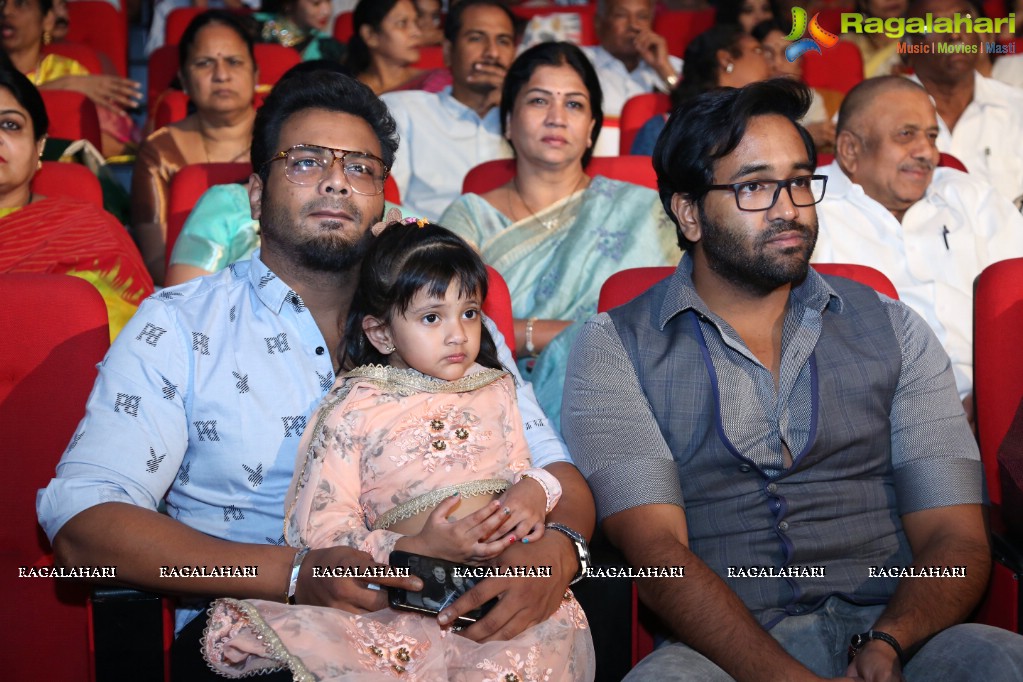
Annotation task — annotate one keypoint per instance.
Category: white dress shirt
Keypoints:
(441, 140)
(988, 137)
(618, 84)
(944, 241)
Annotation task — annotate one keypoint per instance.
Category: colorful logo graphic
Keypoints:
(818, 36)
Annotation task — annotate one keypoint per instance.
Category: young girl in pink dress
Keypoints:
(424, 431)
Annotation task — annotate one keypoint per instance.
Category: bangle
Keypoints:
(530, 348)
(549, 483)
(296, 565)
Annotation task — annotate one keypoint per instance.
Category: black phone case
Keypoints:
(398, 598)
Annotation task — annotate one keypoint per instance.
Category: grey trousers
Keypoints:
(820, 641)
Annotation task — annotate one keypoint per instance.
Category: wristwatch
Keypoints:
(859, 641)
(581, 549)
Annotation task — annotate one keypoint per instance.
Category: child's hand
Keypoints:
(472, 539)
(524, 508)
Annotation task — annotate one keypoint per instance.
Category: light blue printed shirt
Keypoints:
(202, 400)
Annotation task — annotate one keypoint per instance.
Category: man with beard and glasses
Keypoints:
(794, 441)
(203, 399)
(930, 230)
(445, 134)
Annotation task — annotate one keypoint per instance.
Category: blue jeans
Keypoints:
(820, 641)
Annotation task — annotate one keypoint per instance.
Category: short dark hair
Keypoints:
(453, 22)
(299, 90)
(367, 13)
(27, 95)
(215, 16)
(404, 260)
(553, 54)
(709, 127)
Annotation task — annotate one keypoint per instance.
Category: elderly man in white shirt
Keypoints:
(980, 119)
(930, 230)
(631, 59)
(445, 134)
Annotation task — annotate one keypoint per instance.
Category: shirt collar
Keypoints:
(814, 293)
(459, 110)
(271, 289)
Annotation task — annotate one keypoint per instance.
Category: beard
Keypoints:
(747, 264)
(329, 248)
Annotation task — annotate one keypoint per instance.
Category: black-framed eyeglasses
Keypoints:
(760, 195)
(308, 164)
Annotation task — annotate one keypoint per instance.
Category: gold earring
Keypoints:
(47, 38)
(390, 349)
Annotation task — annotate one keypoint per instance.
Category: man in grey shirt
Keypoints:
(794, 441)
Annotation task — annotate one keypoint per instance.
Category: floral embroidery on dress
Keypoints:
(516, 669)
(610, 243)
(443, 437)
(388, 649)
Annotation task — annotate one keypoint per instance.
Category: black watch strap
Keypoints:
(860, 640)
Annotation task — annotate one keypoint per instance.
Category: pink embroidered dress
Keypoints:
(388, 445)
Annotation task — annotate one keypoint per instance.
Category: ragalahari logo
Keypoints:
(818, 36)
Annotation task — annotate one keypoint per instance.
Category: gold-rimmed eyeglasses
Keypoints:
(308, 164)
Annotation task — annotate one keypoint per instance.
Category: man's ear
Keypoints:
(379, 334)
(848, 151)
(445, 50)
(255, 196)
(688, 215)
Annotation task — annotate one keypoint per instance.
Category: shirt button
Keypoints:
(745, 468)
(772, 487)
(798, 608)
(319, 350)
(294, 299)
(783, 526)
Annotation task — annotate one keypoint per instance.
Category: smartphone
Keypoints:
(443, 582)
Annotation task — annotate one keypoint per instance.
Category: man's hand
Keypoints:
(523, 602)
(347, 594)
(653, 49)
(876, 662)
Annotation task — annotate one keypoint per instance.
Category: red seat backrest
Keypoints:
(161, 69)
(679, 27)
(57, 333)
(188, 184)
(622, 287)
(344, 27)
(837, 68)
(492, 174)
(636, 112)
(68, 180)
(273, 60)
(997, 361)
(84, 54)
(430, 57)
(177, 21)
(73, 116)
(100, 25)
(498, 307)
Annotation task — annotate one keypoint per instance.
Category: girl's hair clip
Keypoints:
(393, 216)
(421, 222)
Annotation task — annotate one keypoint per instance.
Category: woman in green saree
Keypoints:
(553, 232)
